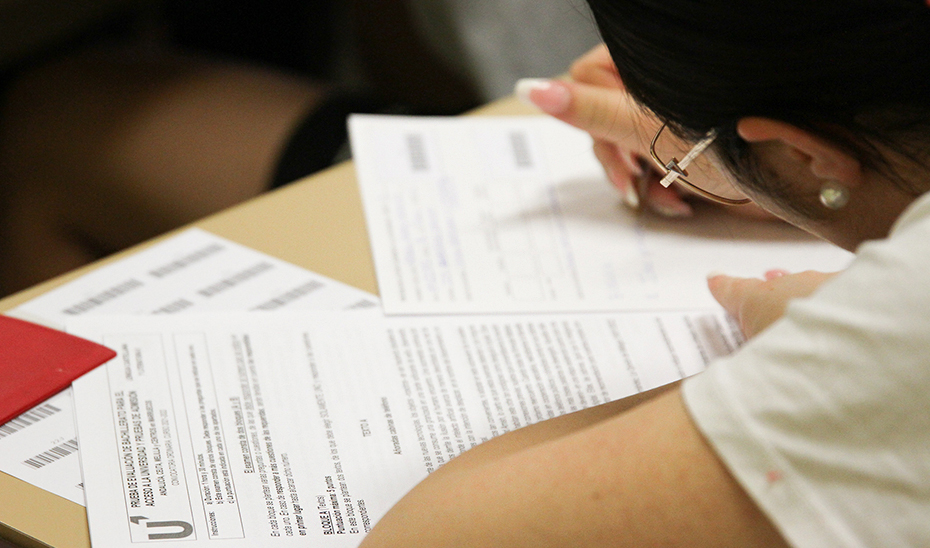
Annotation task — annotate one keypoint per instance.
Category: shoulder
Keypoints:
(825, 414)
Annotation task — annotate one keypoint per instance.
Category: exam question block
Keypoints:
(282, 429)
(514, 214)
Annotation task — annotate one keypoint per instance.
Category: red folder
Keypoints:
(37, 362)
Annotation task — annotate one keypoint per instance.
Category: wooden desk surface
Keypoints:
(316, 223)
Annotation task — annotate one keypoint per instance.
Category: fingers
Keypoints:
(550, 96)
(667, 202)
(756, 303)
(606, 113)
(775, 273)
(732, 293)
(622, 171)
(596, 68)
(610, 114)
(596, 102)
(638, 183)
(749, 301)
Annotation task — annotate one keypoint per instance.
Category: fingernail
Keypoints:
(630, 197)
(641, 184)
(550, 96)
(776, 273)
(672, 211)
(714, 274)
(627, 191)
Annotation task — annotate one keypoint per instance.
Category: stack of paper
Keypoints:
(194, 272)
(514, 289)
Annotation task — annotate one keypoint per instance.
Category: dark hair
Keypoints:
(856, 72)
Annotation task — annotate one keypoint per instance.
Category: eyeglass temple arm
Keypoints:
(678, 168)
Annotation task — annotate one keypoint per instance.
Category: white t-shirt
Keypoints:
(824, 418)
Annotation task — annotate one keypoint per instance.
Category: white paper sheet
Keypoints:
(514, 214)
(192, 272)
(305, 428)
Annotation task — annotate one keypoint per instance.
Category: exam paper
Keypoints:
(482, 214)
(195, 271)
(305, 428)
(192, 272)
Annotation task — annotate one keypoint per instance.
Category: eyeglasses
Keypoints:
(705, 179)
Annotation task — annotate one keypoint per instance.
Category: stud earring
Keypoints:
(833, 195)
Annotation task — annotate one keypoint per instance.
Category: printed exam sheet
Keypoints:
(305, 428)
(514, 214)
(194, 271)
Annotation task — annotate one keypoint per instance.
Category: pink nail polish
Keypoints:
(550, 96)
(776, 273)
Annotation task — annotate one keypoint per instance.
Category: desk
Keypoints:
(316, 223)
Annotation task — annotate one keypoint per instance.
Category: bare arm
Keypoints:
(545, 431)
(644, 477)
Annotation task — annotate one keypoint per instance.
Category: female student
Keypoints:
(815, 433)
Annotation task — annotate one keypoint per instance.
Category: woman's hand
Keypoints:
(757, 303)
(596, 101)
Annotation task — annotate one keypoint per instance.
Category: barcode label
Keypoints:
(290, 296)
(174, 307)
(416, 148)
(519, 144)
(362, 304)
(32, 416)
(103, 297)
(235, 279)
(186, 261)
(53, 454)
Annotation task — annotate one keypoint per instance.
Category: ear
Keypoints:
(823, 159)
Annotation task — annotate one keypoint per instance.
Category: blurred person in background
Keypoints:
(168, 111)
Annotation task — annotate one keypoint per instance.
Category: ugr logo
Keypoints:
(170, 530)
